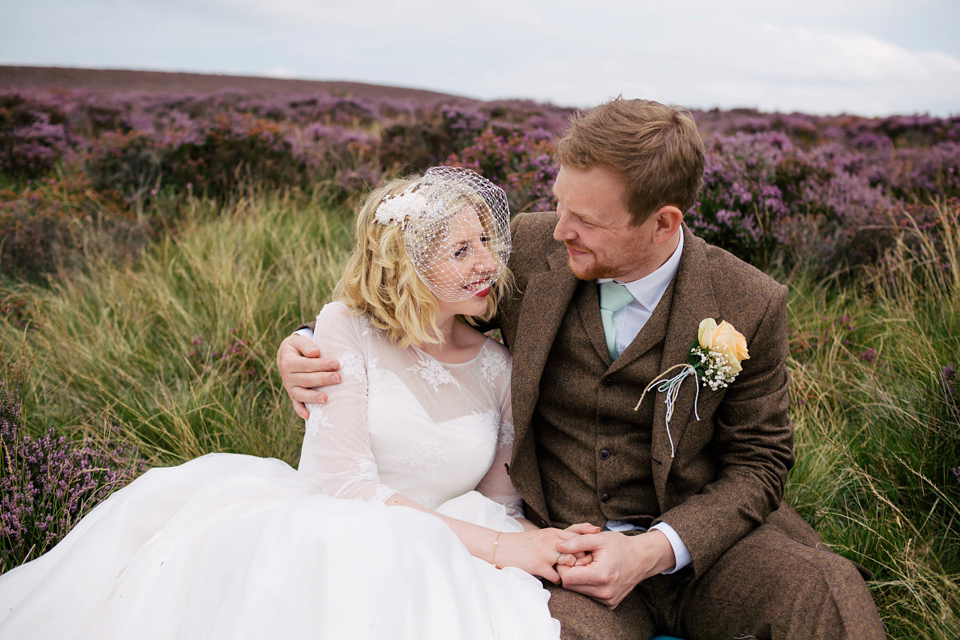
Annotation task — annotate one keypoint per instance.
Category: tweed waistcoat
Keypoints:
(593, 449)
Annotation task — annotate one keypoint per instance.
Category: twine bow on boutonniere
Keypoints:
(714, 359)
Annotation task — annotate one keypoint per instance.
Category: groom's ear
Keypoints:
(668, 220)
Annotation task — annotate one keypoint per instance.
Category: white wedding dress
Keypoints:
(233, 546)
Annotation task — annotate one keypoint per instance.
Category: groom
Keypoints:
(696, 539)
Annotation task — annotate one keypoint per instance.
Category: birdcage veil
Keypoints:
(456, 227)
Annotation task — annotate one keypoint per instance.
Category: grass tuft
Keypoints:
(876, 420)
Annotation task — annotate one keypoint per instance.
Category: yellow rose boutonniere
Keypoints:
(714, 358)
(717, 352)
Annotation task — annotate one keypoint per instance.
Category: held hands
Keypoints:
(302, 369)
(617, 563)
(535, 552)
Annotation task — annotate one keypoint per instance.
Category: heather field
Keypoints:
(156, 245)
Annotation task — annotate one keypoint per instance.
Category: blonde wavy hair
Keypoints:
(380, 279)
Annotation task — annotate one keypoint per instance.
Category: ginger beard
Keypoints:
(598, 230)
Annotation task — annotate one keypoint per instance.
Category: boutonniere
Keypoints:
(717, 352)
(713, 360)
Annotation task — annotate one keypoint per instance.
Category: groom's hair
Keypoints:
(655, 149)
(380, 279)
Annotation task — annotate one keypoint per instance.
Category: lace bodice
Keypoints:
(403, 422)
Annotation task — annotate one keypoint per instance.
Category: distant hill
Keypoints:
(121, 81)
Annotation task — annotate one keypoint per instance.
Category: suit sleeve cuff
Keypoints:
(306, 332)
(680, 551)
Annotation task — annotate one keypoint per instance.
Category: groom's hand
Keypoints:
(302, 369)
(618, 563)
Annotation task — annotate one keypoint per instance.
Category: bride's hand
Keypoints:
(535, 552)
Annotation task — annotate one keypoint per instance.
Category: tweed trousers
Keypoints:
(768, 585)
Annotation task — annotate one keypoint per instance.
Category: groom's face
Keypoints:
(596, 227)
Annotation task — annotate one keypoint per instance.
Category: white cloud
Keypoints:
(766, 65)
(280, 71)
(825, 71)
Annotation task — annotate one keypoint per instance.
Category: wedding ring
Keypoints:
(558, 555)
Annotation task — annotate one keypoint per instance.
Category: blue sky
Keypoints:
(869, 57)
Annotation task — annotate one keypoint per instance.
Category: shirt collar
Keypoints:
(649, 289)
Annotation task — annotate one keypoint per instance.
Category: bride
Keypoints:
(400, 522)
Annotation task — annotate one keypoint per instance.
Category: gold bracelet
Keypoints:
(495, 544)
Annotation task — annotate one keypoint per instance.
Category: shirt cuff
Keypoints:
(680, 551)
(306, 332)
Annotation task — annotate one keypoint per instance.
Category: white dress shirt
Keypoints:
(628, 321)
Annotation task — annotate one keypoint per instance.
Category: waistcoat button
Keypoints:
(604, 454)
(605, 497)
(608, 382)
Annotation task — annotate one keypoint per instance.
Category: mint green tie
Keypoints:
(613, 297)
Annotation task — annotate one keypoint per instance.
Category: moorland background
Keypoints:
(161, 233)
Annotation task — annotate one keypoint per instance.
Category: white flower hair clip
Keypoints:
(397, 209)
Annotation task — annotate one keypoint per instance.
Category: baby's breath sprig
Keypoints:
(712, 366)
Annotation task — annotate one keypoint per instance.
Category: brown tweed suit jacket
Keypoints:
(729, 467)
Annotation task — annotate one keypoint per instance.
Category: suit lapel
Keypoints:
(692, 301)
(545, 303)
(546, 300)
(588, 308)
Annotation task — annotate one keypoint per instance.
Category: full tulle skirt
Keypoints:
(234, 546)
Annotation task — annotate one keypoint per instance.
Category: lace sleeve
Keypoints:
(336, 448)
(496, 484)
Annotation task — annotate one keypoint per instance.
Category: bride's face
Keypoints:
(464, 265)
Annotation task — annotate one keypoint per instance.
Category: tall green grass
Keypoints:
(178, 349)
(878, 426)
(176, 352)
